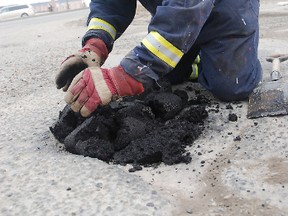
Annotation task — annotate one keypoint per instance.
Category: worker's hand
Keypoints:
(93, 54)
(96, 86)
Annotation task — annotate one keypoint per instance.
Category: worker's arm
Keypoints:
(108, 19)
(172, 32)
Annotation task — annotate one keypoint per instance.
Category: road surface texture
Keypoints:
(237, 168)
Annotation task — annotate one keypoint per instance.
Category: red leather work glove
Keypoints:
(93, 54)
(96, 86)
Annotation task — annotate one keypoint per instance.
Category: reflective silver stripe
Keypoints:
(162, 48)
(96, 23)
(101, 86)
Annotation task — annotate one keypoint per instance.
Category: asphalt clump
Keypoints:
(149, 129)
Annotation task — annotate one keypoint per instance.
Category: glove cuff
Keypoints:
(98, 46)
(125, 84)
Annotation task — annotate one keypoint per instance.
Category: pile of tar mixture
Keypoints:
(145, 130)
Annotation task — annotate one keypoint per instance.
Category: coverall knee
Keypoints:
(227, 45)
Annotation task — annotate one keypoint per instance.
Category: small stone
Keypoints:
(189, 211)
(99, 185)
(232, 117)
(237, 138)
(229, 106)
(109, 208)
(136, 167)
(150, 204)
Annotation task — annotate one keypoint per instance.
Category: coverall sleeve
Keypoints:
(108, 19)
(171, 33)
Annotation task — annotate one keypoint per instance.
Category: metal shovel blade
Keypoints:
(269, 99)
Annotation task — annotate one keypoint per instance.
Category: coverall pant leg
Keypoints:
(228, 47)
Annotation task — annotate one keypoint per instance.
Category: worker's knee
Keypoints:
(230, 92)
(232, 87)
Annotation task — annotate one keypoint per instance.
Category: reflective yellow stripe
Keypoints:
(162, 48)
(197, 60)
(195, 72)
(96, 23)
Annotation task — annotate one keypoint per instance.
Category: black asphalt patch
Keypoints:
(142, 130)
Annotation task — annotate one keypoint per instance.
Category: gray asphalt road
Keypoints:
(44, 18)
(36, 176)
(246, 176)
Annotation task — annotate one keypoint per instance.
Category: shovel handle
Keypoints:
(281, 57)
(276, 64)
(276, 60)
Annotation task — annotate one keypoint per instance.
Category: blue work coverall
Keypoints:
(225, 33)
